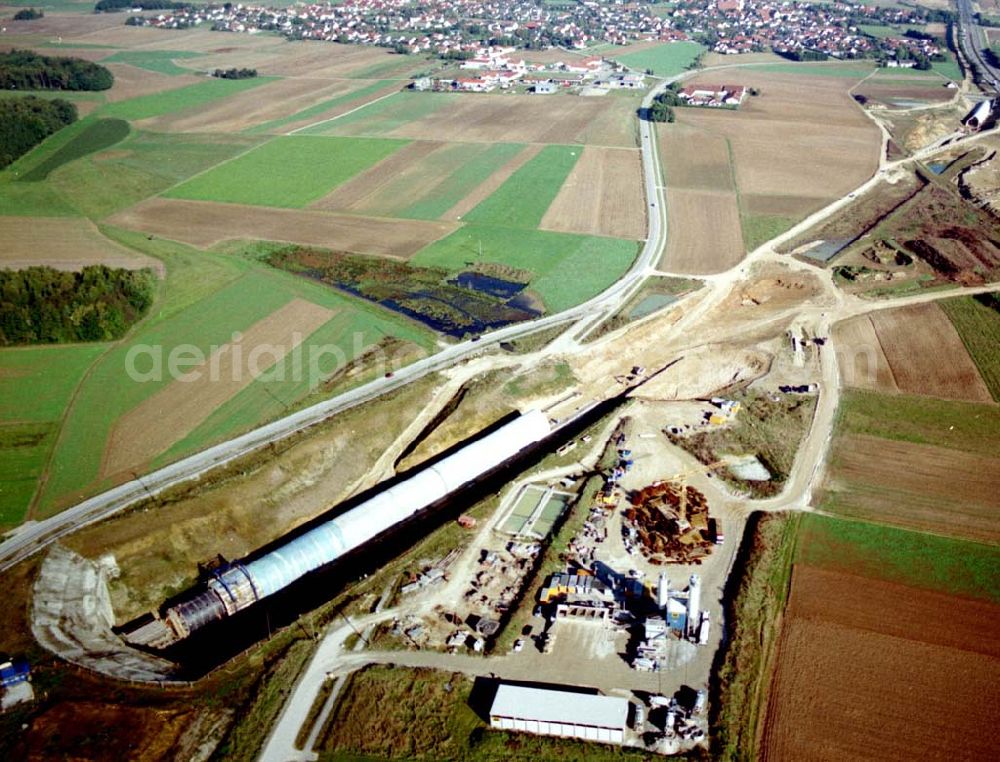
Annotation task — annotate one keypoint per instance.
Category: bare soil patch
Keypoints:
(872, 670)
(705, 235)
(486, 188)
(363, 192)
(250, 107)
(204, 223)
(923, 487)
(803, 138)
(527, 119)
(695, 159)
(603, 195)
(65, 244)
(176, 410)
(131, 81)
(889, 94)
(72, 727)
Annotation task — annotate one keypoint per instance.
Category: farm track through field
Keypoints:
(206, 223)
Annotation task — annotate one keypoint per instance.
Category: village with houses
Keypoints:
(496, 67)
(457, 29)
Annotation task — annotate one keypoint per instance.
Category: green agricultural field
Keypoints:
(205, 299)
(190, 97)
(977, 320)
(24, 448)
(95, 136)
(288, 171)
(949, 68)
(758, 229)
(927, 561)
(319, 109)
(161, 61)
(336, 342)
(384, 116)
(964, 426)
(667, 60)
(473, 164)
(36, 384)
(144, 164)
(31, 199)
(568, 268)
(525, 196)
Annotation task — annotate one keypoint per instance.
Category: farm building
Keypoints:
(713, 95)
(560, 713)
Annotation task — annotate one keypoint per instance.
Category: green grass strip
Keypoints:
(289, 171)
(526, 195)
(161, 61)
(462, 181)
(927, 561)
(317, 110)
(977, 320)
(190, 97)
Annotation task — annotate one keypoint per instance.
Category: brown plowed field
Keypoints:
(131, 81)
(486, 188)
(932, 92)
(705, 235)
(694, 160)
(68, 27)
(869, 670)
(916, 486)
(603, 195)
(251, 107)
(923, 352)
(176, 410)
(65, 244)
(204, 223)
(702, 206)
(527, 119)
(860, 358)
(802, 138)
(365, 192)
(317, 61)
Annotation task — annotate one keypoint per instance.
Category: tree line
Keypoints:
(146, 5)
(29, 14)
(40, 305)
(661, 109)
(27, 70)
(235, 73)
(27, 121)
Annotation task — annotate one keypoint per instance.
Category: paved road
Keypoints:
(32, 537)
(970, 39)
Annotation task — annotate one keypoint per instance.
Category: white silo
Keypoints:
(663, 591)
(694, 604)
